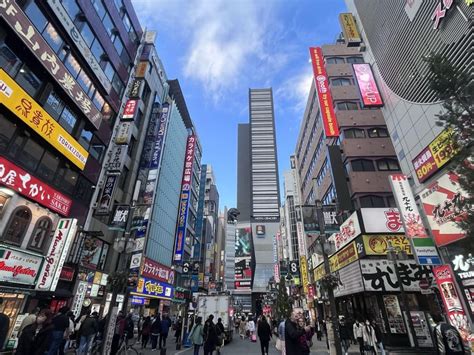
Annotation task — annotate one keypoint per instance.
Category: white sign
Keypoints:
(18, 267)
(117, 158)
(382, 220)
(412, 7)
(60, 243)
(94, 290)
(103, 280)
(301, 241)
(82, 46)
(124, 132)
(111, 330)
(79, 298)
(349, 230)
(351, 281)
(136, 261)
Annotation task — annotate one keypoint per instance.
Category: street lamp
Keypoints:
(395, 254)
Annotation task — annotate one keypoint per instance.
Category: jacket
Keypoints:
(89, 326)
(32, 343)
(303, 340)
(60, 322)
(197, 334)
(210, 335)
(146, 328)
(281, 330)
(165, 326)
(156, 327)
(292, 337)
(358, 330)
(448, 340)
(368, 333)
(264, 332)
(344, 332)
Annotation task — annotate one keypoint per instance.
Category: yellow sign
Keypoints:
(349, 27)
(443, 147)
(342, 258)
(378, 244)
(304, 274)
(141, 70)
(31, 113)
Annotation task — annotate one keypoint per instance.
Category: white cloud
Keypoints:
(294, 91)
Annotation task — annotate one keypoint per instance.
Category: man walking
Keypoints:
(210, 336)
(358, 329)
(447, 338)
(165, 328)
(60, 324)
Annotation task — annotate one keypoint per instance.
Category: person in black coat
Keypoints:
(344, 335)
(264, 332)
(155, 331)
(293, 332)
(210, 336)
(36, 338)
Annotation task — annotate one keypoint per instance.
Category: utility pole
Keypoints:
(332, 301)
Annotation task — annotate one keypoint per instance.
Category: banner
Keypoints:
(57, 252)
(105, 201)
(368, 89)
(34, 116)
(304, 274)
(442, 202)
(349, 230)
(22, 182)
(130, 109)
(18, 267)
(321, 82)
(423, 246)
(186, 184)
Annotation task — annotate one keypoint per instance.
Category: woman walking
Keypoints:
(305, 340)
(197, 335)
(146, 330)
(36, 338)
(264, 332)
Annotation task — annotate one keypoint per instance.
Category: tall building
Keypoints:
(291, 206)
(257, 196)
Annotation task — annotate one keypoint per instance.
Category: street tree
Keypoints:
(283, 301)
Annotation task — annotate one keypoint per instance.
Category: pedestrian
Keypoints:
(243, 328)
(293, 332)
(165, 328)
(378, 335)
(140, 327)
(197, 335)
(305, 340)
(358, 330)
(146, 330)
(447, 338)
(370, 339)
(60, 324)
(280, 344)
(210, 336)
(119, 332)
(155, 332)
(29, 319)
(344, 335)
(89, 329)
(69, 339)
(319, 330)
(251, 328)
(220, 335)
(129, 328)
(36, 338)
(178, 329)
(265, 334)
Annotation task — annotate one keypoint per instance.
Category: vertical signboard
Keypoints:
(422, 245)
(304, 274)
(184, 200)
(368, 89)
(243, 258)
(60, 243)
(349, 28)
(106, 198)
(321, 82)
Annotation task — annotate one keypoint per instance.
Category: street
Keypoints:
(239, 346)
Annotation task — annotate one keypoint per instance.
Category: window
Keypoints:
(99, 8)
(7, 130)
(71, 8)
(36, 16)
(354, 133)
(354, 60)
(85, 138)
(52, 37)
(68, 119)
(388, 165)
(41, 233)
(17, 225)
(97, 151)
(87, 34)
(73, 65)
(117, 43)
(83, 190)
(371, 201)
(347, 105)
(334, 60)
(378, 132)
(109, 70)
(117, 85)
(66, 179)
(362, 165)
(8, 60)
(48, 167)
(28, 81)
(54, 105)
(97, 50)
(31, 154)
(108, 24)
(341, 82)
(84, 81)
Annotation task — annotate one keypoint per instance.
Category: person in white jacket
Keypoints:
(251, 327)
(357, 328)
(370, 339)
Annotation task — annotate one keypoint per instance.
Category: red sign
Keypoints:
(22, 182)
(129, 109)
(324, 95)
(367, 86)
(456, 315)
(67, 273)
(153, 270)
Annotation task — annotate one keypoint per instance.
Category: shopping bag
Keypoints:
(254, 338)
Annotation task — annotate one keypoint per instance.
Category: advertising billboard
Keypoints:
(34, 116)
(348, 231)
(321, 82)
(422, 245)
(381, 220)
(379, 244)
(435, 156)
(349, 28)
(154, 289)
(18, 266)
(184, 200)
(243, 258)
(443, 205)
(106, 198)
(368, 89)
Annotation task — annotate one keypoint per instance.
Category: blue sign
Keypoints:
(155, 289)
(181, 229)
(139, 301)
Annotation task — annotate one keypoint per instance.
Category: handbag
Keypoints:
(278, 344)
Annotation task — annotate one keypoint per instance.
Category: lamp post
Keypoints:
(330, 291)
(395, 254)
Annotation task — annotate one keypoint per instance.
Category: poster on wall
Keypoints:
(422, 330)
(394, 314)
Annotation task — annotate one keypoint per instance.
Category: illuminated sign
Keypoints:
(22, 182)
(381, 220)
(19, 22)
(18, 266)
(349, 28)
(367, 86)
(440, 151)
(304, 274)
(321, 83)
(31, 113)
(129, 109)
(153, 270)
(141, 69)
(186, 184)
(152, 288)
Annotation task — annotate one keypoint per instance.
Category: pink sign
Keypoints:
(19, 180)
(129, 109)
(367, 86)
(153, 270)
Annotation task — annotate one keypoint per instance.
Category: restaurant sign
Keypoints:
(17, 266)
(153, 270)
(34, 116)
(22, 182)
(154, 289)
(379, 244)
(11, 12)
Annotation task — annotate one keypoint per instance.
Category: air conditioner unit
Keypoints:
(362, 47)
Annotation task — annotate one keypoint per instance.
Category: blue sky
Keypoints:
(218, 49)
